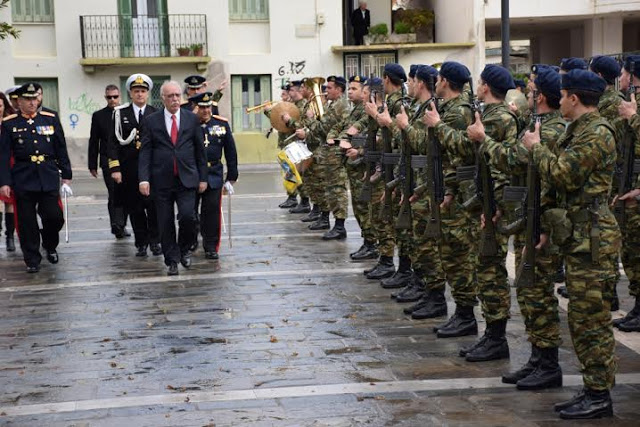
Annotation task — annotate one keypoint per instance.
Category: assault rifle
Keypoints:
(435, 175)
(372, 157)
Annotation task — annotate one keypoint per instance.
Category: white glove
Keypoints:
(228, 187)
(65, 189)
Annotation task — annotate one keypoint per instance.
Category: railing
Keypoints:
(127, 36)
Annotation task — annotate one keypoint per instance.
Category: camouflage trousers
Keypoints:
(589, 318)
(335, 180)
(314, 183)
(384, 229)
(493, 284)
(404, 238)
(426, 259)
(360, 209)
(631, 250)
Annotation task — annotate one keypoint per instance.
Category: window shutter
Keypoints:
(18, 12)
(236, 101)
(265, 95)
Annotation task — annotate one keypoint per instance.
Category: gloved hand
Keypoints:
(228, 187)
(65, 189)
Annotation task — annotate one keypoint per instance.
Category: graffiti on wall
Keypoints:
(294, 67)
(83, 104)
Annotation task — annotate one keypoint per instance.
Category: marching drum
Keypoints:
(299, 155)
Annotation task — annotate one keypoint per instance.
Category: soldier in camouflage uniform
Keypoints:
(628, 111)
(581, 173)
(498, 124)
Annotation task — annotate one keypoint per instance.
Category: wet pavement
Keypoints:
(283, 330)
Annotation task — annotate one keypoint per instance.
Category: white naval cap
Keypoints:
(139, 80)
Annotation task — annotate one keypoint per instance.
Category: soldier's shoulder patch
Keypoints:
(10, 117)
(224, 119)
(47, 114)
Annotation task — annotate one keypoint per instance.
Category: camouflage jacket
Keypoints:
(608, 109)
(303, 121)
(394, 104)
(352, 118)
(319, 128)
(581, 170)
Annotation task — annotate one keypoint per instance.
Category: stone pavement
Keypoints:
(283, 331)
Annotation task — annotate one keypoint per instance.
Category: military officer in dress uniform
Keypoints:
(36, 142)
(217, 140)
(122, 151)
(196, 85)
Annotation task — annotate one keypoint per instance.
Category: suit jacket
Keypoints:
(158, 154)
(120, 155)
(101, 127)
(360, 25)
(218, 139)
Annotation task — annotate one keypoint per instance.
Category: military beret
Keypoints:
(339, 80)
(295, 83)
(357, 79)
(412, 70)
(536, 68)
(548, 82)
(28, 90)
(395, 71)
(608, 67)
(519, 83)
(498, 78)
(636, 64)
(426, 73)
(583, 80)
(195, 81)
(204, 99)
(568, 64)
(286, 86)
(455, 72)
(374, 81)
(139, 80)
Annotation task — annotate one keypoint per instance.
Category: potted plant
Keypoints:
(415, 21)
(197, 49)
(183, 50)
(378, 33)
(403, 32)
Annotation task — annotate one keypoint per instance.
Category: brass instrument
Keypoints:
(260, 107)
(315, 84)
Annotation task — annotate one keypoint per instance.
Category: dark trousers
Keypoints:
(185, 199)
(117, 217)
(210, 219)
(30, 204)
(359, 39)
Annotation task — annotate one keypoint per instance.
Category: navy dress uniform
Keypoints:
(123, 151)
(39, 150)
(218, 140)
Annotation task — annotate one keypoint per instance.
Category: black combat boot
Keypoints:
(313, 215)
(291, 202)
(436, 306)
(303, 207)
(338, 232)
(10, 229)
(383, 269)
(462, 323)
(635, 312)
(367, 251)
(526, 370)
(632, 322)
(413, 292)
(495, 346)
(322, 223)
(615, 301)
(594, 404)
(547, 374)
(563, 292)
(400, 278)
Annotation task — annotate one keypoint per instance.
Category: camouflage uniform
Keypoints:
(305, 190)
(582, 173)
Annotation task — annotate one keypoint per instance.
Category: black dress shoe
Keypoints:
(52, 256)
(142, 250)
(336, 233)
(291, 202)
(156, 249)
(172, 270)
(211, 255)
(33, 268)
(11, 245)
(185, 260)
(321, 223)
(594, 404)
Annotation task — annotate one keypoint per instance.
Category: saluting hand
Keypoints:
(628, 109)
(431, 116)
(531, 138)
(475, 131)
(223, 85)
(402, 119)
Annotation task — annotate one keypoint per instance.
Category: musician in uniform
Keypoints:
(36, 142)
(123, 152)
(218, 140)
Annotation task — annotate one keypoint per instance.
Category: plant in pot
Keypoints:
(419, 21)
(183, 50)
(377, 34)
(197, 49)
(403, 33)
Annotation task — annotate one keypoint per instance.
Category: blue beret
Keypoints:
(455, 72)
(412, 69)
(636, 64)
(357, 79)
(583, 80)
(295, 83)
(204, 99)
(426, 72)
(339, 80)
(286, 86)
(519, 83)
(568, 64)
(395, 71)
(374, 81)
(548, 82)
(498, 78)
(608, 67)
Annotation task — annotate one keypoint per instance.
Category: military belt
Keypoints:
(34, 158)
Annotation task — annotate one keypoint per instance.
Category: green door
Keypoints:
(128, 12)
(125, 28)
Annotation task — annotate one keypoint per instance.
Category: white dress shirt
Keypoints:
(137, 110)
(168, 122)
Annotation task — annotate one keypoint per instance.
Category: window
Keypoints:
(249, 91)
(154, 97)
(32, 11)
(248, 10)
(49, 90)
(367, 64)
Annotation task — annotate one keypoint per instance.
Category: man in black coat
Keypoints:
(173, 163)
(123, 150)
(361, 21)
(101, 128)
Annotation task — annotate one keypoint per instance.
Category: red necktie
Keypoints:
(174, 140)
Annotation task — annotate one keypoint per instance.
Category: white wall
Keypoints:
(548, 8)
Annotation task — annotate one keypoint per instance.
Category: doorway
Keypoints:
(144, 28)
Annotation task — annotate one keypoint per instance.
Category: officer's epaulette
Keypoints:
(47, 114)
(120, 107)
(224, 119)
(9, 117)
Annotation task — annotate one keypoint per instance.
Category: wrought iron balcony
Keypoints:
(143, 36)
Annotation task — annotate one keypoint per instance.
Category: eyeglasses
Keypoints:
(112, 96)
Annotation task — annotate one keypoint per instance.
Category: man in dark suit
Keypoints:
(173, 163)
(361, 21)
(122, 152)
(101, 127)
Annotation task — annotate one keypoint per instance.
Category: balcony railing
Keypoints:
(143, 36)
